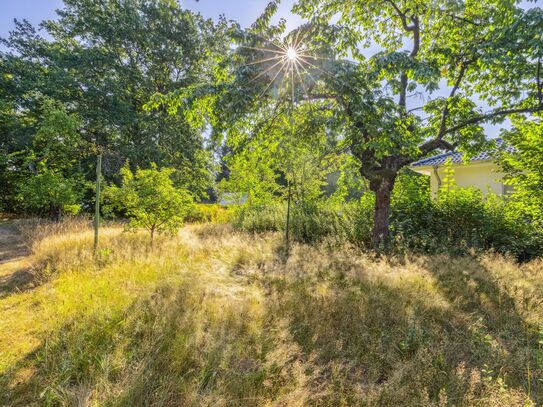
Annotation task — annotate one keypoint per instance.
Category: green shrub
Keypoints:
(260, 218)
(150, 200)
(209, 213)
(311, 223)
(459, 221)
(50, 192)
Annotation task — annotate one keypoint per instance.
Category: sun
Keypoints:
(292, 54)
(284, 62)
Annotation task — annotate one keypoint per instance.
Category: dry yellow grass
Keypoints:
(219, 318)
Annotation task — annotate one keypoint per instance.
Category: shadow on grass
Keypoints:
(501, 340)
(458, 338)
(62, 369)
(12, 245)
(447, 333)
(20, 280)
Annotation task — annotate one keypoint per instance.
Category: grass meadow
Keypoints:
(216, 317)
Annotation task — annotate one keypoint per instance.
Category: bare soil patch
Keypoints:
(13, 250)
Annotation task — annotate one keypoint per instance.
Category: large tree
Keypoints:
(402, 105)
(103, 60)
(467, 64)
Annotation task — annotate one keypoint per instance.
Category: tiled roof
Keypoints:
(457, 157)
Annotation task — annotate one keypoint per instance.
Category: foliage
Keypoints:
(251, 218)
(524, 168)
(104, 77)
(210, 213)
(460, 221)
(50, 193)
(266, 156)
(53, 183)
(486, 52)
(150, 200)
(58, 142)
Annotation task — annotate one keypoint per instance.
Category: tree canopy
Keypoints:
(438, 73)
(104, 77)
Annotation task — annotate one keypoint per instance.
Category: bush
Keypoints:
(459, 221)
(51, 193)
(150, 200)
(209, 213)
(311, 223)
(260, 218)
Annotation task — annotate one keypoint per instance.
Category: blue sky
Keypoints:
(243, 11)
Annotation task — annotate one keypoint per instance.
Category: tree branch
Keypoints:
(445, 113)
(415, 29)
(438, 142)
(491, 115)
(434, 144)
(416, 36)
(402, 16)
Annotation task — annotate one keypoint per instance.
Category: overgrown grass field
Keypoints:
(215, 317)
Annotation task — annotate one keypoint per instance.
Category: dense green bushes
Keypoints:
(209, 213)
(260, 218)
(459, 220)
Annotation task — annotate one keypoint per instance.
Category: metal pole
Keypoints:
(97, 203)
(291, 123)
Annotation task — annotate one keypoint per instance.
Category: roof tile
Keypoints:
(457, 157)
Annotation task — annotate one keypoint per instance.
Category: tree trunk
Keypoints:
(55, 212)
(152, 235)
(382, 187)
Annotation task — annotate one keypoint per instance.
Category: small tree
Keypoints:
(150, 199)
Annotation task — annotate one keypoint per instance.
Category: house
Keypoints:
(232, 198)
(480, 172)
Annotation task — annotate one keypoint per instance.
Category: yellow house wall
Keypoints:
(484, 176)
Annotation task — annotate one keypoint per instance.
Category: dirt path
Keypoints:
(12, 246)
(14, 273)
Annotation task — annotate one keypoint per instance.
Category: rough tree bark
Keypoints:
(55, 212)
(383, 192)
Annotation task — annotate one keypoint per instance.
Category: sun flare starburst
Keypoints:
(292, 54)
(285, 63)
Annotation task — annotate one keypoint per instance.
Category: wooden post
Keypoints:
(287, 226)
(97, 203)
